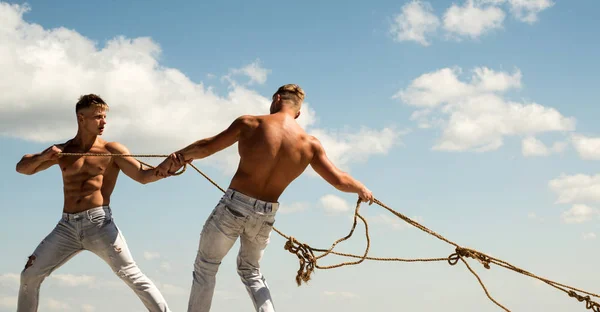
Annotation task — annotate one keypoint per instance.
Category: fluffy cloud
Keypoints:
(578, 188)
(151, 255)
(587, 147)
(578, 214)
(474, 115)
(334, 204)
(10, 280)
(532, 147)
(71, 280)
(527, 10)
(254, 71)
(154, 109)
(346, 146)
(293, 207)
(57, 305)
(8, 302)
(415, 22)
(393, 221)
(88, 308)
(589, 235)
(472, 19)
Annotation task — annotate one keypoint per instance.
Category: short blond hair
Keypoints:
(90, 100)
(291, 92)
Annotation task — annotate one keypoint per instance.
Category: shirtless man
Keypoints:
(87, 222)
(274, 151)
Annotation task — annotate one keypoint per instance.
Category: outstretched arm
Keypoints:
(131, 166)
(34, 163)
(334, 176)
(208, 146)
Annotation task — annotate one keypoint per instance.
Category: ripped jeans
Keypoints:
(236, 215)
(92, 230)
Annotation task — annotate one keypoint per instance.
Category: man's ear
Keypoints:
(297, 115)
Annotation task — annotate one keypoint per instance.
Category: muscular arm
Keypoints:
(34, 163)
(206, 147)
(131, 166)
(328, 171)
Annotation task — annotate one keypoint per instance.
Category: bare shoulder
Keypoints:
(116, 148)
(249, 121)
(315, 144)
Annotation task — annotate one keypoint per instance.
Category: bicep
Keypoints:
(127, 164)
(324, 167)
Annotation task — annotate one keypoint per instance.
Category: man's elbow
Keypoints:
(20, 169)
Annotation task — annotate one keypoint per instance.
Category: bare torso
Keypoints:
(88, 181)
(274, 150)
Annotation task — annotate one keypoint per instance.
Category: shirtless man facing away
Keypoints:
(87, 222)
(274, 151)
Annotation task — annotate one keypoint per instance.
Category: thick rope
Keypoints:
(308, 260)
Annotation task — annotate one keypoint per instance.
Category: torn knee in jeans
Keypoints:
(29, 262)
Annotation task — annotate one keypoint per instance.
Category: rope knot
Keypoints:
(469, 253)
(306, 257)
(589, 304)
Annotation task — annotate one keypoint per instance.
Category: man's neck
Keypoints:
(84, 141)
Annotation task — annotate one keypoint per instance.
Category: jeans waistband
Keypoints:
(251, 201)
(85, 214)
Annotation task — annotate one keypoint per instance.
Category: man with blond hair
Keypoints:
(274, 151)
(87, 222)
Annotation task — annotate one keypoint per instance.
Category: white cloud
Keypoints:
(345, 147)
(473, 114)
(578, 214)
(587, 236)
(8, 302)
(154, 109)
(393, 221)
(165, 266)
(527, 10)
(71, 280)
(587, 147)
(88, 308)
(415, 22)
(10, 280)
(343, 294)
(531, 215)
(473, 19)
(532, 147)
(173, 290)
(293, 207)
(57, 305)
(151, 255)
(334, 204)
(254, 71)
(578, 188)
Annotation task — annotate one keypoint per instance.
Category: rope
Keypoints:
(308, 260)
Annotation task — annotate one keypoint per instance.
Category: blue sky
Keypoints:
(477, 118)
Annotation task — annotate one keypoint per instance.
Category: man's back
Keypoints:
(274, 150)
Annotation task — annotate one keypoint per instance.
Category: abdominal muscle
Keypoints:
(88, 183)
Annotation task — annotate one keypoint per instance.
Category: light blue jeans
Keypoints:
(236, 215)
(92, 230)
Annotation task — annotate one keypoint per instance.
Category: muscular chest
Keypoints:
(86, 165)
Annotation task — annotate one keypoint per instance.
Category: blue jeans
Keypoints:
(92, 230)
(236, 215)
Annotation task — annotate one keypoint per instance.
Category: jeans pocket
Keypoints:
(230, 221)
(100, 219)
(264, 233)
